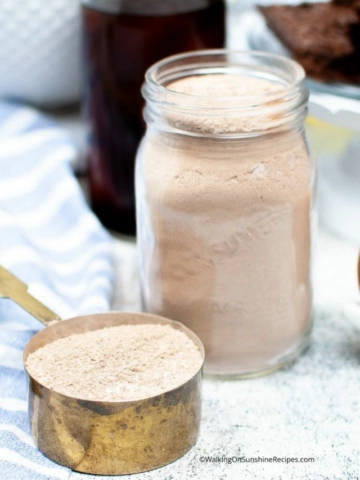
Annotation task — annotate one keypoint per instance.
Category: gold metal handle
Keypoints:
(12, 287)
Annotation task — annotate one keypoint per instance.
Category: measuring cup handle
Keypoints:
(12, 287)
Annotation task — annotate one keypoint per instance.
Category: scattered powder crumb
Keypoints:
(122, 363)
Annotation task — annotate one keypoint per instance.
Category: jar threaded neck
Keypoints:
(253, 112)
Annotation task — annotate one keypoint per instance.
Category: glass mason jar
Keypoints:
(121, 40)
(224, 190)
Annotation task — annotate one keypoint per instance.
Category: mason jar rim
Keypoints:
(225, 61)
(234, 116)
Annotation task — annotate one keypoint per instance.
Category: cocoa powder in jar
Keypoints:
(225, 248)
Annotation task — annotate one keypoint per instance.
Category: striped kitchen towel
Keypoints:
(49, 239)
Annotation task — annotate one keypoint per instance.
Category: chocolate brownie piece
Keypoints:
(323, 37)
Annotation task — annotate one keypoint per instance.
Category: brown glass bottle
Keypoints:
(120, 44)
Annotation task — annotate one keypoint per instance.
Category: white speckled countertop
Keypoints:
(311, 409)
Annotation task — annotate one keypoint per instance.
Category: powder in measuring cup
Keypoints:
(121, 363)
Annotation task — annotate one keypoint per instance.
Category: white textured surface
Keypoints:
(40, 51)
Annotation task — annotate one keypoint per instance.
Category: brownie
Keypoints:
(323, 37)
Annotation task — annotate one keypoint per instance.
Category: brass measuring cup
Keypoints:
(108, 438)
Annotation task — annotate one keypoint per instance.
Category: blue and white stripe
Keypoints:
(51, 240)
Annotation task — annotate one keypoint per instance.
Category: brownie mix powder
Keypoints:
(122, 363)
(226, 245)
